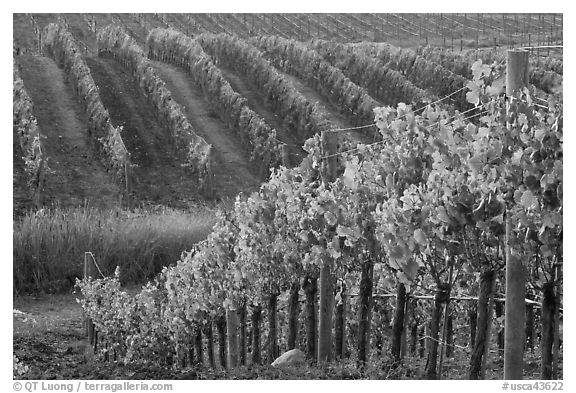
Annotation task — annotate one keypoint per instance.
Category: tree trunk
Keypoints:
(221, 329)
(272, 330)
(293, 311)
(210, 347)
(499, 309)
(529, 327)
(432, 361)
(365, 311)
(242, 342)
(310, 287)
(449, 336)
(340, 326)
(256, 318)
(198, 347)
(232, 328)
(473, 318)
(548, 305)
(398, 324)
(481, 340)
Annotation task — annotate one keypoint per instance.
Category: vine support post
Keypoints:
(232, 326)
(89, 272)
(329, 147)
(556, 331)
(446, 314)
(514, 313)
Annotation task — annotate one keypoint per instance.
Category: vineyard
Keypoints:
(296, 189)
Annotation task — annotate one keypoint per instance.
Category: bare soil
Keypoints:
(159, 177)
(79, 177)
(233, 171)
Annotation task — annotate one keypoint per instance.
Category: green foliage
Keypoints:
(295, 57)
(432, 195)
(299, 114)
(421, 72)
(382, 82)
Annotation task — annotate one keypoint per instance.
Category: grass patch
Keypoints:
(50, 244)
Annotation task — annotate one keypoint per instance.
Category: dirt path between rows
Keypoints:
(233, 171)
(159, 177)
(78, 175)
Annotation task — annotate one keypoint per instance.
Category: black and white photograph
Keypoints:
(269, 195)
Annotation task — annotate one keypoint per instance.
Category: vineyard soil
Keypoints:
(233, 172)
(158, 175)
(78, 175)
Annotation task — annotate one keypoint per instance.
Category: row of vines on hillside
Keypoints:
(174, 47)
(423, 73)
(299, 114)
(385, 84)
(29, 136)
(295, 57)
(193, 149)
(424, 207)
(60, 45)
(546, 77)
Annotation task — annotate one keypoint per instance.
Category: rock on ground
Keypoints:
(292, 357)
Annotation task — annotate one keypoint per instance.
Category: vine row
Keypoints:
(295, 57)
(29, 135)
(385, 84)
(193, 149)
(420, 71)
(298, 113)
(546, 77)
(173, 47)
(60, 45)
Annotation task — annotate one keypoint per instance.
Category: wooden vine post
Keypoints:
(329, 146)
(514, 313)
(89, 272)
(232, 326)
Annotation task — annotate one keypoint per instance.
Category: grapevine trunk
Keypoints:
(365, 311)
(548, 305)
(487, 278)
(293, 311)
(398, 324)
(256, 318)
(310, 287)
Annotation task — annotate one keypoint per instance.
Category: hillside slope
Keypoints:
(78, 176)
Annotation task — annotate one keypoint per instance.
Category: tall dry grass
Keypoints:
(50, 245)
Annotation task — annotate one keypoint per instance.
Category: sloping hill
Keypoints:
(78, 174)
(233, 171)
(158, 176)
